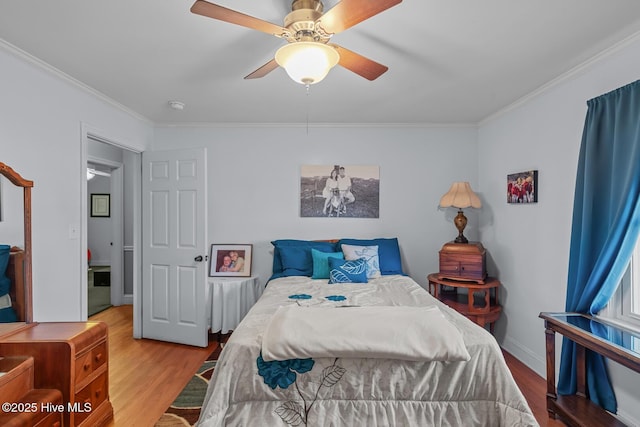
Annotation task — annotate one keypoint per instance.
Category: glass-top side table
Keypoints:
(611, 341)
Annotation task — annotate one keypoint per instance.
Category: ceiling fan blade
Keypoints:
(348, 13)
(204, 8)
(264, 70)
(360, 65)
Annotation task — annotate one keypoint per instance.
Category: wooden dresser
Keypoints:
(72, 357)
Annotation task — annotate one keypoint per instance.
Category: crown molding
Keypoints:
(318, 125)
(16, 51)
(562, 78)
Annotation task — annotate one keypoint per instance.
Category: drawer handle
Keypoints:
(87, 366)
(98, 393)
(98, 357)
(56, 424)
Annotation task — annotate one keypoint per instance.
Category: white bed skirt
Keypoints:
(229, 300)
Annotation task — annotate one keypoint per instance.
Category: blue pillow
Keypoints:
(296, 261)
(342, 271)
(278, 269)
(321, 262)
(5, 283)
(388, 253)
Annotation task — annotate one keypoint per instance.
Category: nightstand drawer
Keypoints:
(449, 267)
(463, 261)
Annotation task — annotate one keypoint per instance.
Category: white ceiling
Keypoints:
(450, 61)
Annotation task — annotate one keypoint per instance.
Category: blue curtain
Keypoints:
(606, 223)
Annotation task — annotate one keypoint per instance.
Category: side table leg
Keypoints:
(581, 382)
(550, 341)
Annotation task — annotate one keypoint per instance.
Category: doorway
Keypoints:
(114, 250)
(101, 229)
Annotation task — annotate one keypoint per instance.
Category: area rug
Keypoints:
(185, 410)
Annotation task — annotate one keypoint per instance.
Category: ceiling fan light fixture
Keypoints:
(307, 62)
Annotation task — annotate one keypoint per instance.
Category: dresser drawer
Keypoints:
(90, 361)
(54, 419)
(99, 356)
(90, 397)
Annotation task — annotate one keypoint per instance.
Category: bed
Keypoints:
(468, 386)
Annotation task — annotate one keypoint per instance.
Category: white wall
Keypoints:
(254, 184)
(529, 245)
(41, 116)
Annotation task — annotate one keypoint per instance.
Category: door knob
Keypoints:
(198, 258)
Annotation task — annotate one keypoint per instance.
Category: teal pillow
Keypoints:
(321, 263)
(341, 271)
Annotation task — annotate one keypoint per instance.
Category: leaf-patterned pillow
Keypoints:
(342, 271)
(369, 253)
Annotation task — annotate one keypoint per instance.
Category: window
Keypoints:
(624, 307)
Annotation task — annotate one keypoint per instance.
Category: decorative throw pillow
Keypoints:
(369, 253)
(343, 271)
(388, 252)
(321, 263)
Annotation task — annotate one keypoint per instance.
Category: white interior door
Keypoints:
(174, 273)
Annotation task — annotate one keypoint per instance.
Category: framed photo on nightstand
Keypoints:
(230, 260)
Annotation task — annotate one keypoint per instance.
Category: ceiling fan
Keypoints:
(309, 56)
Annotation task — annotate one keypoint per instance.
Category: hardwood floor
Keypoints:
(534, 388)
(145, 376)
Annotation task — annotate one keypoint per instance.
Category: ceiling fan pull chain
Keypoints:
(308, 93)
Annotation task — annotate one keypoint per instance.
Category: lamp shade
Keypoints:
(460, 195)
(307, 62)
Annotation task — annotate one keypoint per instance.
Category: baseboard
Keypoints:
(526, 356)
(127, 299)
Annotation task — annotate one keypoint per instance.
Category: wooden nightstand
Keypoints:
(463, 261)
(479, 304)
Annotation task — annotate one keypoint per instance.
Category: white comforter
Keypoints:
(415, 333)
(247, 391)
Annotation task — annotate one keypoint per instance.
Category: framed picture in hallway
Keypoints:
(100, 205)
(230, 260)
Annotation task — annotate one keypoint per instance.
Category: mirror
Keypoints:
(15, 261)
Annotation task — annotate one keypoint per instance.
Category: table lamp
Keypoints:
(460, 195)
